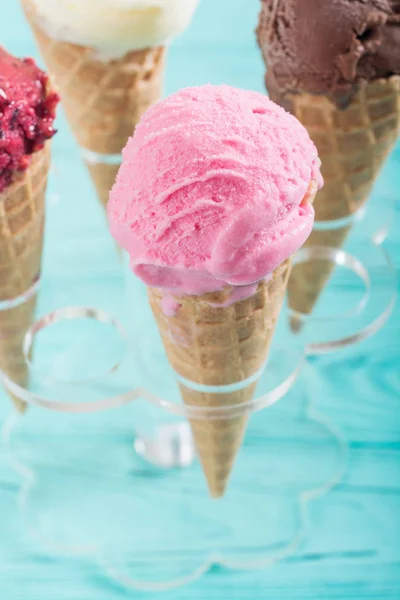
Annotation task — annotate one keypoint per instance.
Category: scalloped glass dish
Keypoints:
(361, 290)
(357, 300)
(84, 492)
(123, 486)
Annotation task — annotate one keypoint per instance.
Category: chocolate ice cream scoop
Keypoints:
(328, 47)
(27, 112)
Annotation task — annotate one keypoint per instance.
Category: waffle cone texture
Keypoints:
(103, 100)
(22, 215)
(215, 345)
(353, 144)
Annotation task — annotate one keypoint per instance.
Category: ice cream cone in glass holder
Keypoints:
(344, 87)
(117, 479)
(27, 112)
(356, 288)
(109, 72)
(118, 465)
(132, 445)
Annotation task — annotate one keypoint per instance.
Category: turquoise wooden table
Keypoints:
(353, 550)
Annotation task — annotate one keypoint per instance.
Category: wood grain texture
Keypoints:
(353, 551)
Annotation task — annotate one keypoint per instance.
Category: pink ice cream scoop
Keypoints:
(212, 190)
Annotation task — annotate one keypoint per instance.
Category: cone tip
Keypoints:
(19, 405)
(296, 324)
(217, 486)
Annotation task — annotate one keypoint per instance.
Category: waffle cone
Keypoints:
(353, 144)
(308, 279)
(103, 100)
(220, 345)
(22, 213)
(103, 177)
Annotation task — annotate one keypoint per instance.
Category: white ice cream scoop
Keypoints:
(115, 27)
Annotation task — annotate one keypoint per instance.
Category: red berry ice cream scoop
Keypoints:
(27, 112)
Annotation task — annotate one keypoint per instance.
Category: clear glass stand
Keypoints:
(360, 292)
(357, 300)
(84, 492)
(115, 477)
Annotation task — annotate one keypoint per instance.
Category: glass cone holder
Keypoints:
(115, 479)
(360, 292)
(150, 525)
(84, 362)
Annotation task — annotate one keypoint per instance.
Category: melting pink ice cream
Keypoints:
(169, 305)
(210, 192)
